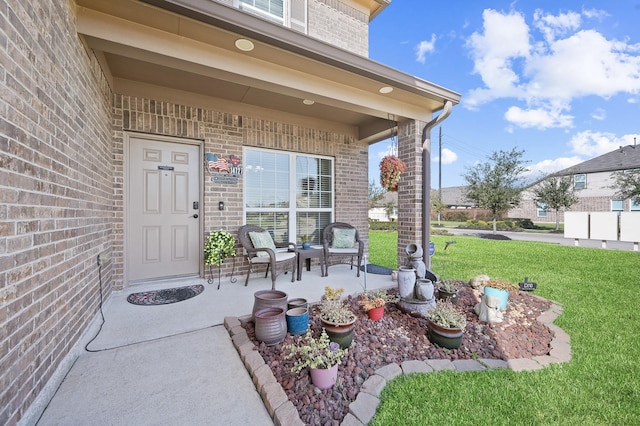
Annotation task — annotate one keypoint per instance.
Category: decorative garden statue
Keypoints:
(488, 310)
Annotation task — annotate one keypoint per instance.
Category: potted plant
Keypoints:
(446, 325)
(321, 356)
(390, 169)
(447, 290)
(219, 245)
(306, 242)
(373, 303)
(336, 317)
(500, 289)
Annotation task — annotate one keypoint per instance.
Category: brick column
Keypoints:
(410, 187)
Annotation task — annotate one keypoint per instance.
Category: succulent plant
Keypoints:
(445, 314)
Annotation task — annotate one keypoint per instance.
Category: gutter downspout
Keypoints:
(426, 179)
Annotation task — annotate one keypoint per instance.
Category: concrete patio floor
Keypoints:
(174, 364)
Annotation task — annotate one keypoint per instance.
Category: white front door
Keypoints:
(163, 208)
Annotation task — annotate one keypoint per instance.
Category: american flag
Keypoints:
(220, 164)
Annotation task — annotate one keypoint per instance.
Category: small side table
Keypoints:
(305, 256)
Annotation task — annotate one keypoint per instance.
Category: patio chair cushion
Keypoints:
(343, 238)
(280, 256)
(262, 240)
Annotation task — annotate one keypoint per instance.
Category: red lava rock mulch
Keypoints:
(399, 337)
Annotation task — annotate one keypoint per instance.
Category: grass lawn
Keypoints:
(601, 383)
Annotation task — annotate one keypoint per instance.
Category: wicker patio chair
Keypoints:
(261, 250)
(342, 242)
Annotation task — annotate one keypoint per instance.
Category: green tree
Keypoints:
(376, 194)
(389, 209)
(437, 205)
(555, 193)
(627, 184)
(496, 185)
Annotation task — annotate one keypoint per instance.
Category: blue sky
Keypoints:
(559, 80)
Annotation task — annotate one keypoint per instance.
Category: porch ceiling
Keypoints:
(189, 46)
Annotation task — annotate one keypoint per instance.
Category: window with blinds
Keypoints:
(289, 194)
(290, 13)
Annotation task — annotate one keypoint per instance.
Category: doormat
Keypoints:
(164, 297)
(376, 269)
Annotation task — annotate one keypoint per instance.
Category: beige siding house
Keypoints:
(593, 185)
(131, 128)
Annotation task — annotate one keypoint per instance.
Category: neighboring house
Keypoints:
(454, 197)
(385, 209)
(131, 128)
(593, 184)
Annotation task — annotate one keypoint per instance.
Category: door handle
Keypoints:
(195, 216)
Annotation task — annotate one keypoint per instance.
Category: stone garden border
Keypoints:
(362, 410)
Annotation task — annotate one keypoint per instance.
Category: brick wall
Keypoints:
(336, 23)
(528, 209)
(410, 188)
(226, 133)
(56, 184)
(340, 25)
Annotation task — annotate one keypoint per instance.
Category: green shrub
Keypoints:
(375, 225)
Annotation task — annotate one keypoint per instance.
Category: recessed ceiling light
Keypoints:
(244, 45)
(385, 89)
(308, 102)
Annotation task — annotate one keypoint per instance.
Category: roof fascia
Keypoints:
(246, 25)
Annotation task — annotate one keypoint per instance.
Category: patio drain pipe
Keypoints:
(426, 179)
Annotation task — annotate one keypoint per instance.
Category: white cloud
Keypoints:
(592, 144)
(505, 39)
(546, 74)
(599, 114)
(553, 26)
(595, 13)
(546, 167)
(448, 157)
(425, 47)
(537, 118)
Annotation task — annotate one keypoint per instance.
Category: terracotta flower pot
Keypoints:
(376, 313)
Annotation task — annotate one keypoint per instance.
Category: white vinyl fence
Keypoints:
(603, 226)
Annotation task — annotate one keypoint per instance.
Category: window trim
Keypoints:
(293, 209)
(540, 209)
(621, 203)
(582, 179)
(244, 6)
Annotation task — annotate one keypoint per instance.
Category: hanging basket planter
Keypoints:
(390, 169)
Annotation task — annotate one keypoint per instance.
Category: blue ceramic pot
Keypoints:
(503, 295)
(298, 320)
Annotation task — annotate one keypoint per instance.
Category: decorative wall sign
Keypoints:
(224, 171)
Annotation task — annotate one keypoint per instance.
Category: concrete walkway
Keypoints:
(173, 364)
